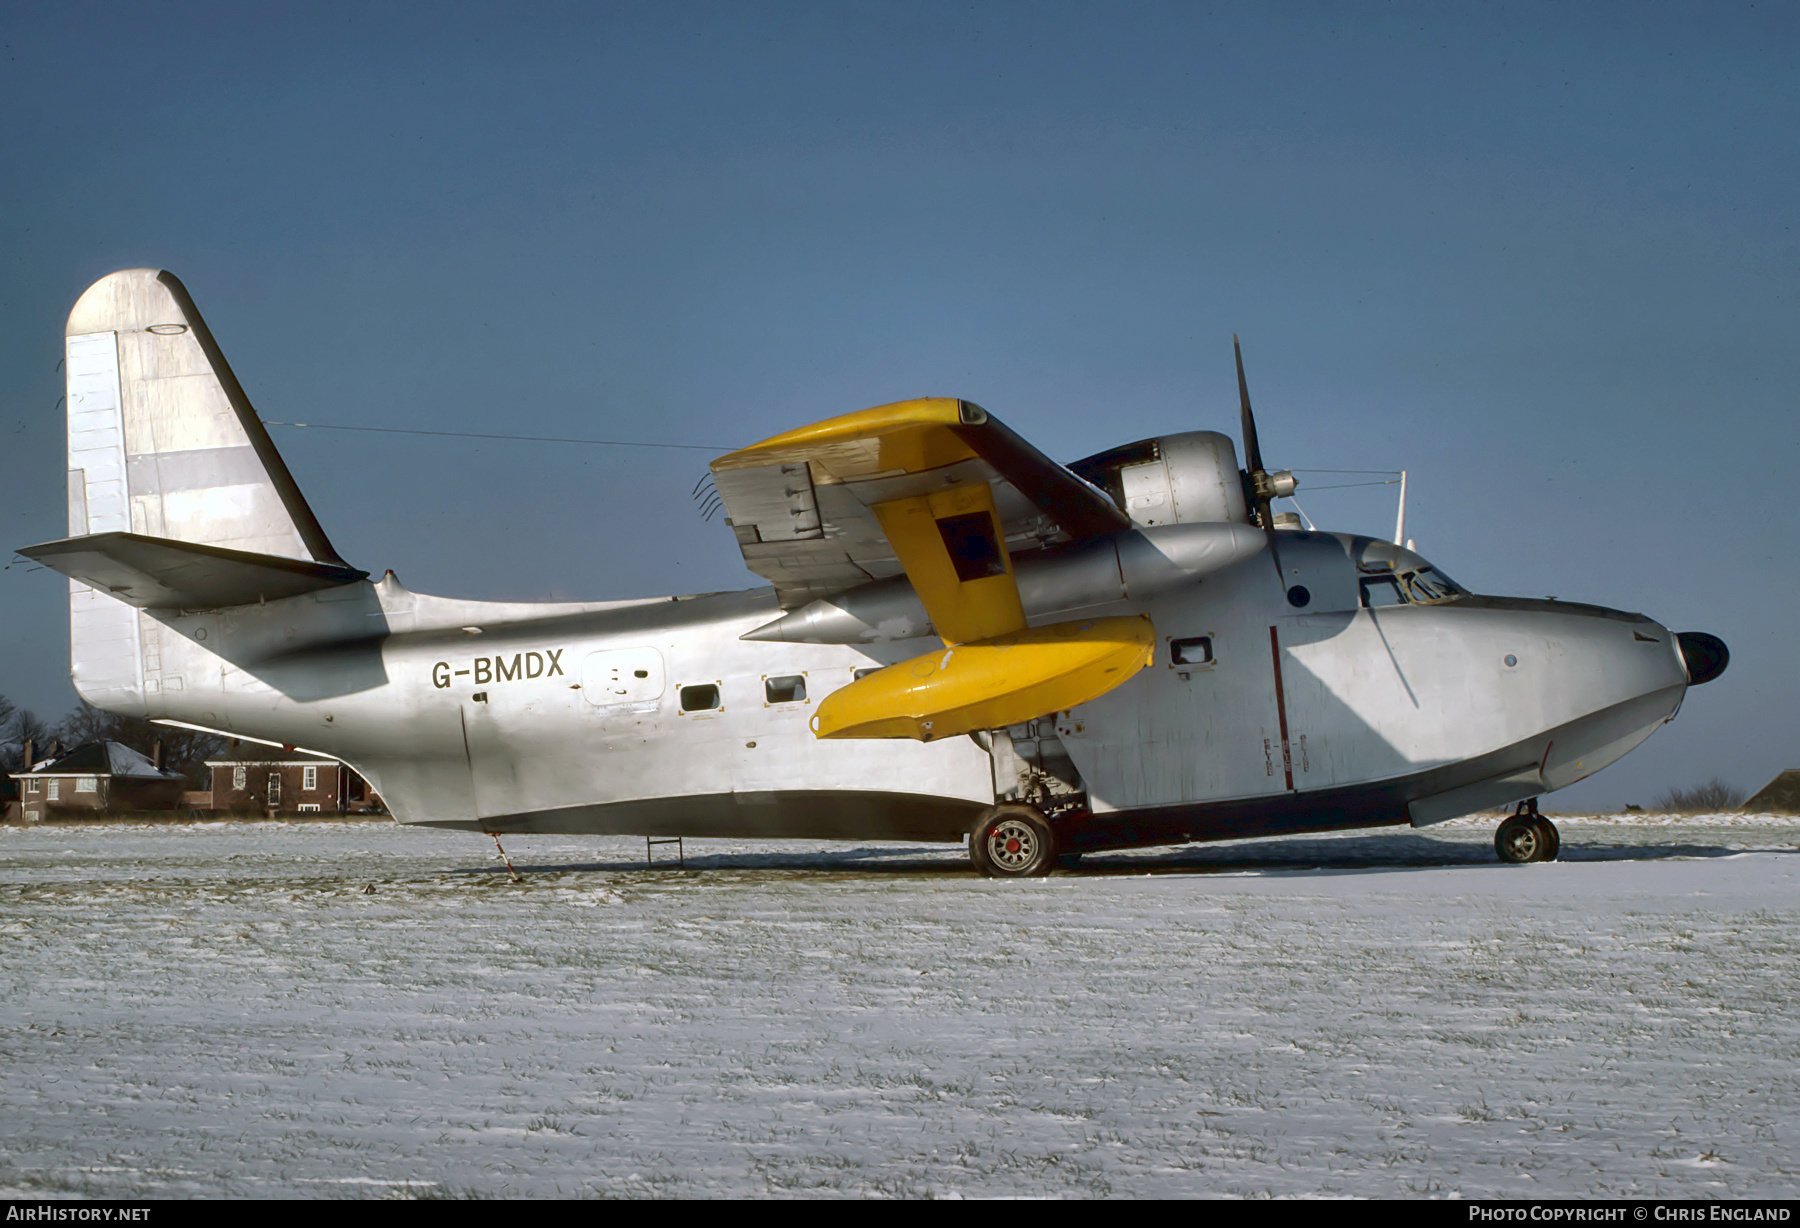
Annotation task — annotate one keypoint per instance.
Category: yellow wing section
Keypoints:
(941, 490)
(905, 437)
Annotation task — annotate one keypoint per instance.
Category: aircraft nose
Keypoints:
(1704, 655)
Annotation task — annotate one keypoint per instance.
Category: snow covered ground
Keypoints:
(216, 1009)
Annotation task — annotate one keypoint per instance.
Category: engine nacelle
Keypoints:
(1189, 478)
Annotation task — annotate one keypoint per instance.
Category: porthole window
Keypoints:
(786, 689)
(701, 697)
(1197, 650)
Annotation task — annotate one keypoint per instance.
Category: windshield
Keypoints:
(1392, 575)
(1429, 584)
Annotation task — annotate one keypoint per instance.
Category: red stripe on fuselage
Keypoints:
(1287, 758)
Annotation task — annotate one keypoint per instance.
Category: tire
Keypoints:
(1552, 839)
(1523, 838)
(1012, 841)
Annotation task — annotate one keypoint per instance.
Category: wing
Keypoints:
(813, 508)
(941, 491)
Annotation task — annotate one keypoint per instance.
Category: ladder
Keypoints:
(650, 843)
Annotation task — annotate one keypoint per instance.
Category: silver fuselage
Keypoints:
(569, 717)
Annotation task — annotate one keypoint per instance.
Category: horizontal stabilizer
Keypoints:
(156, 573)
(990, 683)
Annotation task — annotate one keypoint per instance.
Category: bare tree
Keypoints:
(19, 726)
(1713, 797)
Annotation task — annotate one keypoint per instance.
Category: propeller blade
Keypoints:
(1252, 449)
(1253, 462)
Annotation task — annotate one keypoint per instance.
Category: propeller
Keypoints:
(1260, 486)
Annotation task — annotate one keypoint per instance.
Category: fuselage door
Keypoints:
(629, 678)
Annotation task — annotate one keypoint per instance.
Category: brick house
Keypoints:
(289, 782)
(96, 776)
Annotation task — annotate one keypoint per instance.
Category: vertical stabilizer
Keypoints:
(162, 442)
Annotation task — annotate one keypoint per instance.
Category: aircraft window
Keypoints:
(1195, 651)
(789, 689)
(1429, 584)
(1384, 591)
(700, 698)
(860, 674)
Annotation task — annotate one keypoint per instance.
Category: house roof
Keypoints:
(113, 759)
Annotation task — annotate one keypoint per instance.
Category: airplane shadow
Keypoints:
(1366, 854)
(910, 860)
(1375, 854)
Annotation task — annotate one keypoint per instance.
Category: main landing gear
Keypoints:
(1527, 835)
(1013, 841)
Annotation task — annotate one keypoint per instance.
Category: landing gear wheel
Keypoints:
(1552, 837)
(1012, 841)
(1519, 839)
(1527, 836)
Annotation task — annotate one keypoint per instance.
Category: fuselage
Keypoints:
(1276, 702)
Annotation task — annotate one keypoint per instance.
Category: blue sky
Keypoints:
(1541, 256)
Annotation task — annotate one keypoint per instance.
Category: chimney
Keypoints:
(30, 752)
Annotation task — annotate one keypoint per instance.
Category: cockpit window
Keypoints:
(1393, 575)
(1381, 591)
(1429, 584)
(1421, 586)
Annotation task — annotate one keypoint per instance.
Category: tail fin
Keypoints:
(177, 496)
(162, 439)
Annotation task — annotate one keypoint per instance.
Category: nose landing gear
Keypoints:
(1527, 835)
